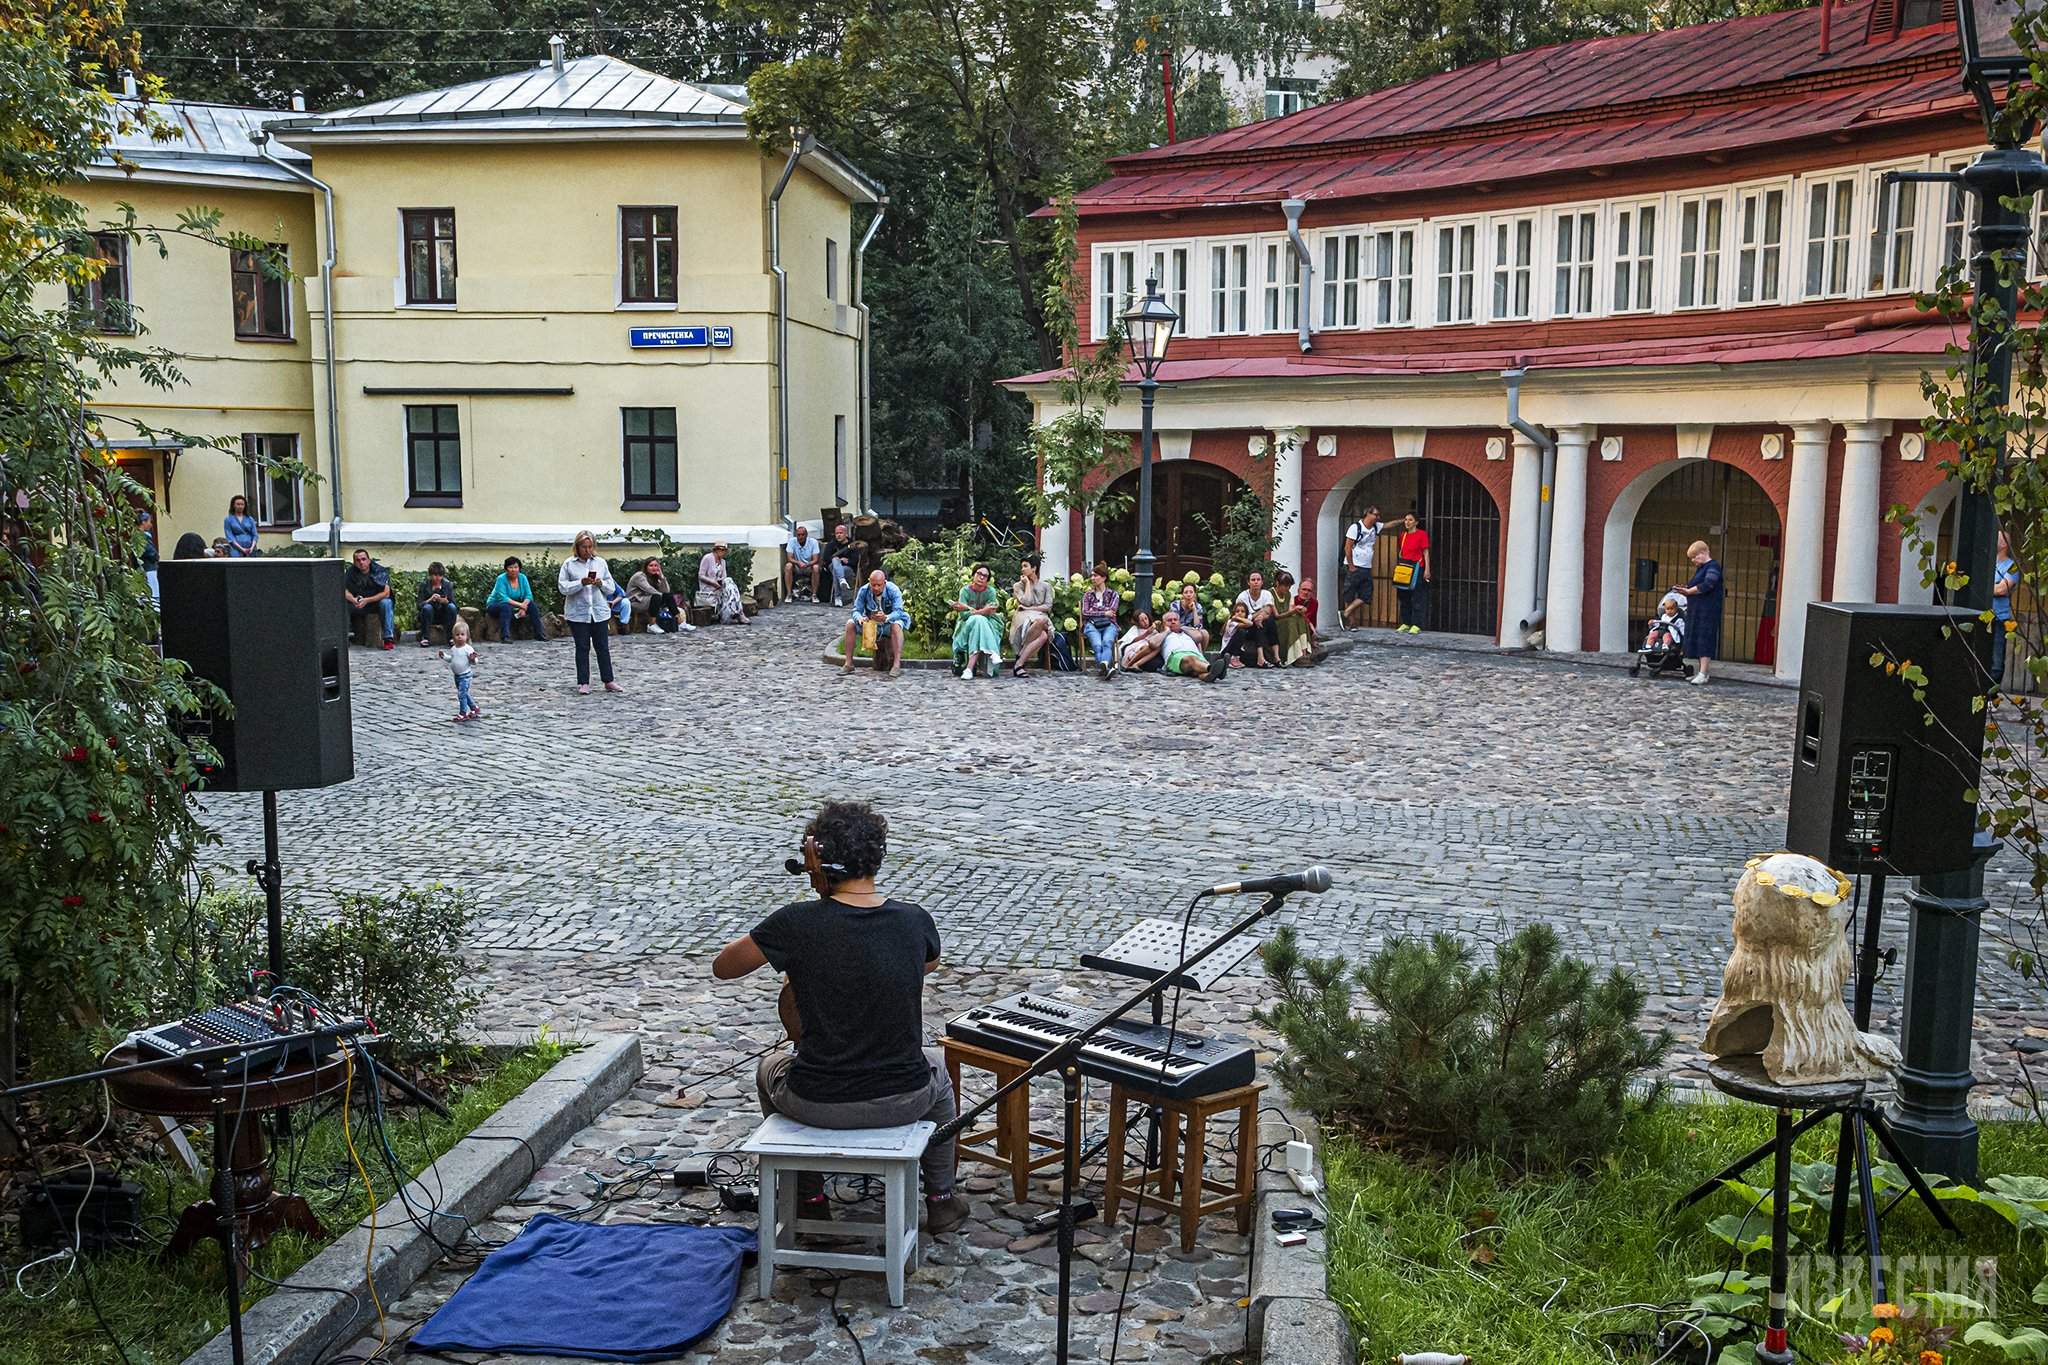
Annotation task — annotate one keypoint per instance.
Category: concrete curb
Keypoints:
(472, 1179)
(1290, 1318)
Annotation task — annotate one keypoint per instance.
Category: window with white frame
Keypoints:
(1577, 239)
(1170, 268)
(1830, 205)
(1894, 224)
(2037, 251)
(1280, 287)
(1760, 249)
(1958, 217)
(1342, 253)
(1391, 275)
(1701, 224)
(1457, 272)
(1116, 286)
(1514, 268)
(1230, 269)
(1635, 258)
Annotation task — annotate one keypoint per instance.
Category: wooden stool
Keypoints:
(1005, 1144)
(1182, 1150)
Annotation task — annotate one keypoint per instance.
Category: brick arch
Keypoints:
(1327, 480)
(1921, 484)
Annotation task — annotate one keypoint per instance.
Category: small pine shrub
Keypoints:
(1527, 1058)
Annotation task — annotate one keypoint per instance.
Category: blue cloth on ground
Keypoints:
(599, 1291)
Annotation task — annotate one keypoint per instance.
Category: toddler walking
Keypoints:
(461, 657)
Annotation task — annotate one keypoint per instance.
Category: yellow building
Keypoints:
(557, 306)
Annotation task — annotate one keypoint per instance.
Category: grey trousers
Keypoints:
(933, 1101)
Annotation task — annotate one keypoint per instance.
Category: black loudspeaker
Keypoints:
(1876, 787)
(273, 635)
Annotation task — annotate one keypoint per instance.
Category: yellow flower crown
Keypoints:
(1821, 898)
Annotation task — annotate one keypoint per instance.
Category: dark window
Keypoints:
(433, 456)
(651, 458)
(273, 493)
(103, 304)
(262, 300)
(831, 269)
(429, 255)
(647, 255)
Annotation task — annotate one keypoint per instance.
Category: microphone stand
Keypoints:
(1065, 1058)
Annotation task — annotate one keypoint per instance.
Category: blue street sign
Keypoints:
(721, 336)
(669, 338)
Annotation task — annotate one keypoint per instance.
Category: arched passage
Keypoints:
(1934, 518)
(1188, 498)
(1643, 553)
(1464, 533)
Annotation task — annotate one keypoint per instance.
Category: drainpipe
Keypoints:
(864, 476)
(262, 140)
(796, 154)
(1543, 442)
(1293, 208)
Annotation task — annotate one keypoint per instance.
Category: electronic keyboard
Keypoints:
(1025, 1026)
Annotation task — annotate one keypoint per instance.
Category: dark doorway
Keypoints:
(1717, 503)
(1464, 538)
(1182, 492)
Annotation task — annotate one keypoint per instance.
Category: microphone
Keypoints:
(1315, 878)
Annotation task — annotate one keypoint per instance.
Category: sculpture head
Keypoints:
(1795, 904)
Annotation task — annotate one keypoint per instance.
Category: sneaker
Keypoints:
(391, 644)
(1698, 680)
(654, 628)
(686, 629)
(475, 714)
(942, 1216)
(896, 670)
(424, 642)
(963, 672)
(582, 689)
(459, 717)
(1220, 670)
(613, 687)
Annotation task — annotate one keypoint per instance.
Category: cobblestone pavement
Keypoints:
(615, 841)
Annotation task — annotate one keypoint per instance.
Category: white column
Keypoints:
(1053, 544)
(1859, 515)
(1805, 526)
(1525, 513)
(1287, 451)
(1565, 594)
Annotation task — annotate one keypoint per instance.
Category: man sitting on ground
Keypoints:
(879, 601)
(367, 586)
(803, 559)
(856, 962)
(845, 563)
(437, 604)
(1184, 656)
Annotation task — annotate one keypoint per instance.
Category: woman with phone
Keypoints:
(587, 588)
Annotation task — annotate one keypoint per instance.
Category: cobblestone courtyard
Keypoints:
(614, 842)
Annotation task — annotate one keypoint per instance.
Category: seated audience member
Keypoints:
(1031, 623)
(881, 602)
(1183, 656)
(845, 564)
(221, 550)
(1295, 625)
(1098, 618)
(1240, 617)
(621, 605)
(715, 588)
(437, 604)
(650, 593)
(803, 560)
(191, 545)
(978, 634)
(240, 528)
(1257, 641)
(367, 586)
(1139, 646)
(512, 600)
(1189, 605)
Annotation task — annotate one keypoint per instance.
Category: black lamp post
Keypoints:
(1931, 1115)
(1148, 327)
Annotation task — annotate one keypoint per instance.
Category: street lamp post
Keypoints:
(1148, 328)
(1931, 1115)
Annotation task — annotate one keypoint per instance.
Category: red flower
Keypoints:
(94, 817)
(111, 744)
(28, 665)
(77, 754)
(74, 901)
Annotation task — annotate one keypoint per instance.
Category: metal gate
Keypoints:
(1464, 538)
(1717, 503)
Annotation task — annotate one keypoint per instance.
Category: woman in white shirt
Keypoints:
(587, 588)
(1258, 641)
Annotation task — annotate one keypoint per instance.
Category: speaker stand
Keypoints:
(269, 875)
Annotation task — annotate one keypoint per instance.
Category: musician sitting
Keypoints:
(856, 962)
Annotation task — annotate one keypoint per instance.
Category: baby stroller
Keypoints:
(1662, 647)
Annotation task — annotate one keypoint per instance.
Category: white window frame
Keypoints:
(1346, 247)
(1887, 269)
(1636, 272)
(1179, 294)
(1503, 235)
(1448, 274)
(1840, 230)
(1230, 290)
(1109, 305)
(1710, 255)
(1277, 255)
(1390, 299)
(1579, 273)
(1773, 278)
(1949, 198)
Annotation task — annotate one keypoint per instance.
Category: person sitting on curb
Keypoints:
(367, 586)
(1098, 618)
(978, 634)
(845, 564)
(650, 593)
(437, 604)
(1257, 642)
(1189, 605)
(879, 601)
(1184, 656)
(803, 559)
(1139, 647)
(512, 600)
(715, 588)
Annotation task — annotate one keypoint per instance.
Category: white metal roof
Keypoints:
(211, 142)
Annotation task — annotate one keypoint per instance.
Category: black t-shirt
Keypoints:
(858, 972)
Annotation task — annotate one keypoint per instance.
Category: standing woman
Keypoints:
(1414, 594)
(978, 634)
(240, 528)
(587, 586)
(1703, 609)
(1031, 624)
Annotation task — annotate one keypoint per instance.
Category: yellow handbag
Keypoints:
(1404, 574)
(867, 635)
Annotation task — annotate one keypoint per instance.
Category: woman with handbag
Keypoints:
(1411, 574)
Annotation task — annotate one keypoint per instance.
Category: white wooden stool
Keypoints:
(785, 1149)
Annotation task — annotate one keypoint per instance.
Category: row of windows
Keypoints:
(1830, 235)
(260, 301)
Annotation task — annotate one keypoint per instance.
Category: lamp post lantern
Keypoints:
(1148, 328)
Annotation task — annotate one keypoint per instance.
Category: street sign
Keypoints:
(679, 338)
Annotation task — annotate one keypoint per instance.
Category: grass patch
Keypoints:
(1465, 1257)
(164, 1310)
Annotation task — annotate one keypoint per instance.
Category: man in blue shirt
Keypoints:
(802, 562)
(2004, 578)
(879, 601)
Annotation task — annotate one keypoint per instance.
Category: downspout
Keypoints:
(796, 154)
(864, 476)
(262, 140)
(1543, 441)
(1293, 208)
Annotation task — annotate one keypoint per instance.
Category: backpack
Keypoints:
(1062, 650)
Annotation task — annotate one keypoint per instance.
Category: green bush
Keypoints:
(1527, 1059)
(473, 582)
(1245, 540)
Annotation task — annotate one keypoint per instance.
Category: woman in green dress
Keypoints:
(979, 633)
